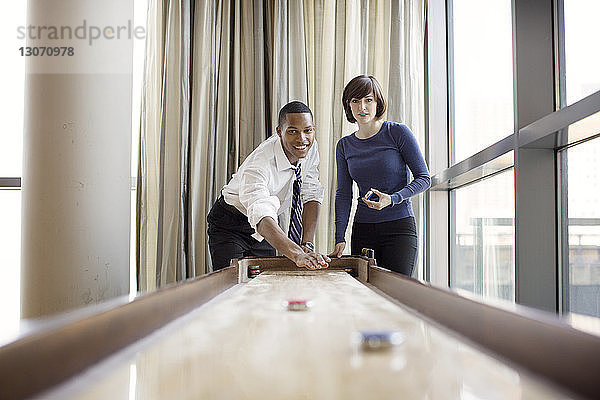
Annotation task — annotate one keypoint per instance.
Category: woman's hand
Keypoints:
(337, 251)
(384, 200)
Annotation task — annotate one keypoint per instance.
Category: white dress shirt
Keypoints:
(263, 185)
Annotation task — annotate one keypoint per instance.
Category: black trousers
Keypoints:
(394, 243)
(229, 236)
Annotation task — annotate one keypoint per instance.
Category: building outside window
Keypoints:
(482, 252)
(583, 230)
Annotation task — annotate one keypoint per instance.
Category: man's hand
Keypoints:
(384, 200)
(312, 260)
(270, 230)
(337, 251)
(308, 247)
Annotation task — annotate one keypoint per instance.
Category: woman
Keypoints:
(378, 158)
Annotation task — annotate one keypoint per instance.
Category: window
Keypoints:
(482, 251)
(583, 208)
(10, 255)
(581, 219)
(582, 49)
(481, 80)
(12, 82)
(139, 50)
(11, 138)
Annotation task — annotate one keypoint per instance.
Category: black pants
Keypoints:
(229, 236)
(394, 243)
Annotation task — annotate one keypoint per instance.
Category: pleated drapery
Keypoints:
(216, 75)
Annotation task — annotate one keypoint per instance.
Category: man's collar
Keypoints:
(281, 159)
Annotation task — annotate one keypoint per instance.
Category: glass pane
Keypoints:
(12, 81)
(10, 259)
(582, 48)
(583, 166)
(140, 11)
(139, 45)
(483, 80)
(483, 259)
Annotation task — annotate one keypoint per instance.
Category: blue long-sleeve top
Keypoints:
(380, 162)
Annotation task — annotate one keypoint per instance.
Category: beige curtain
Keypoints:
(217, 74)
(164, 147)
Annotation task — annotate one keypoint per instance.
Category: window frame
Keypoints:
(541, 130)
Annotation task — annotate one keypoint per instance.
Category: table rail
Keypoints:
(535, 340)
(49, 356)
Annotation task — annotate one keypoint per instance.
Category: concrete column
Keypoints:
(535, 168)
(436, 144)
(77, 144)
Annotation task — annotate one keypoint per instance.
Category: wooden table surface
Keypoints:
(245, 344)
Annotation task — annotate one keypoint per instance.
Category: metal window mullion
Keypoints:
(437, 151)
(10, 182)
(451, 89)
(562, 214)
(452, 243)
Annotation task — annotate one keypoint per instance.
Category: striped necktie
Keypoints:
(295, 231)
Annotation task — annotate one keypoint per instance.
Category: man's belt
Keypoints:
(228, 207)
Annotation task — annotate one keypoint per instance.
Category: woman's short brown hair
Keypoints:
(358, 88)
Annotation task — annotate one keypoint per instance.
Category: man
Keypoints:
(282, 172)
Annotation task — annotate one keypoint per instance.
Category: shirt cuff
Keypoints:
(260, 209)
(342, 240)
(397, 198)
(313, 193)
